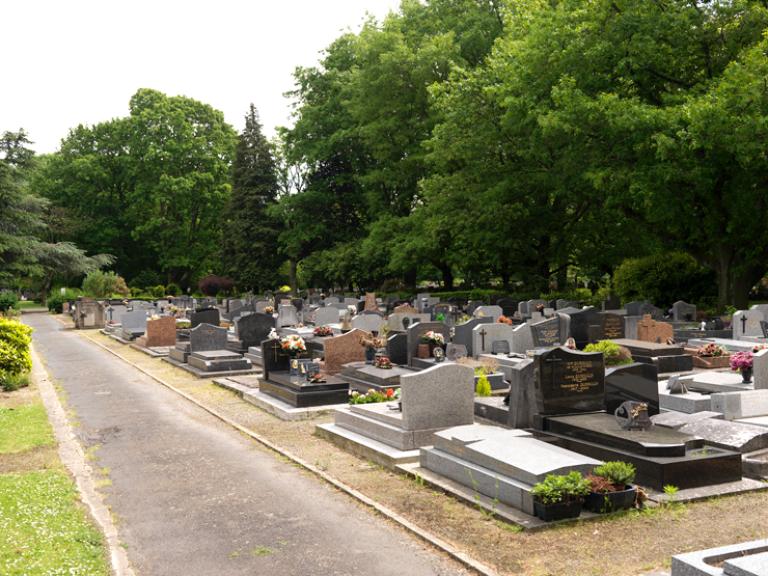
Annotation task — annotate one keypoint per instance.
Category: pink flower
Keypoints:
(741, 360)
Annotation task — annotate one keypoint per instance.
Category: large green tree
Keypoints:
(250, 232)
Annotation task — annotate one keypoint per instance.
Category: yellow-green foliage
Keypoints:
(483, 387)
(15, 339)
(612, 352)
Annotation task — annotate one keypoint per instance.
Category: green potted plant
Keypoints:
(559, 496)
(611, 487)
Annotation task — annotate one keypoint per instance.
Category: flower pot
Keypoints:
(746, 375)
(424, 351)
(558, 511)
(611, 501)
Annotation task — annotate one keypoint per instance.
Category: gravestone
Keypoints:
(368, 322)
(397, 348)
(205, 338)
(462, 333)
(340, 350)
(395, 321)
(442, 308)
(746, 323)
(204, 316)
(488, 311)
(738, 405)
(522, 309)
(253, 329)
(287, 315)
(760, 370)
(683, 312)
(438, 397)
(133, 323)
(416, 331)
(370, 302)
(484, 336)
(405, 309)
(551, 332)
(455, 352)
(610, 326)
(522, 339)
(274, 358)
(650, 330)
(261, 305)
(160, 332)
(569, 381)
(580, 325)
(114, 312)
(325, 316)
(473, 305)
(638, 382)
(508, 306)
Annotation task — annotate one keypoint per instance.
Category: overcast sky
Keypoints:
(67, 62)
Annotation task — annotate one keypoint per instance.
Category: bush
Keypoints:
(8, 300)
(172, 289)
(157, 291)
(15, 359)
(665, 278)
(617, 473)
(56, 300)
(211, 285)
(100, 284)
(561, 488)
(14, 382)
(146, 278)
(613, 354)
(483, 386)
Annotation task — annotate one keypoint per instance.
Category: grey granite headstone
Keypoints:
(683, 312)
(205, 316)
(415, 332)
(327, 315)
(522, 392)
(438, 397)
(395, 320)
(522, 339)
(368, 322)
(254, 328)
(737, 405)
(488, 311)
(462, 333)
(134, 322)
(206, 337)
(484, 335)
(287, 315)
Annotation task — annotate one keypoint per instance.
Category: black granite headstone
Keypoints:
(275, 359)
(580, 325)
(205, 316)
(569, 381)
(610, 327)
(547, 333)
(254, 328)
(397, 348)
(637, 382)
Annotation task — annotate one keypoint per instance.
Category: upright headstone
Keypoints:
(610, 326)
(522, 393)
(368, 322)
(485, 335)
(134, 323)
(462, 333)
(205, 316)
(340, 350)
(397, 348)
(254, 328)
(760, 369)
(747, 323)
(580, 325)
(551, 332)
(683, 312)
(638, 382)
(416, 331)
(160, 332)
(370, 302)
(508, 306)
(399, 321)
(649, 330)
(452, 384)
(569, 381)
(205, 338)
(488, 311)
(287, 315)
(327, 315)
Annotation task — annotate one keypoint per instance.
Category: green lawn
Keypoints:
(24, 428)
(44, 530)
(24, 304)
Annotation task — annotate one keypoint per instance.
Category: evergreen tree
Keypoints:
(250, 251)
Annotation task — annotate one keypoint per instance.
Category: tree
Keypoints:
(250, 234)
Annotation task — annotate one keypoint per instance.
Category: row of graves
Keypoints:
(402, 380)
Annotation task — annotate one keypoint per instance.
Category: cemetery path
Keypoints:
(194, 497)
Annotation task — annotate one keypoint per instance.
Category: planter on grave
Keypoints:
(602, 502)
(557, 511)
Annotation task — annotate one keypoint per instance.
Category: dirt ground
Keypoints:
(621, 545)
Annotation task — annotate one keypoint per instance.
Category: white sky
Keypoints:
(67, 62)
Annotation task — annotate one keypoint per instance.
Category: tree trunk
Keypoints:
(447, 273)
(294, 265)
(410, 279)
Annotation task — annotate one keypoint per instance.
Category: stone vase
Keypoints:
(746, 375)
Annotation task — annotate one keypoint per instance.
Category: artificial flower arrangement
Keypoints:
(374, 396)
(269, 309)
(321, 331)
(183, 323)
(505, 320)
(293, 344)
(383, 362)
(352, 309)
(711, 350)
(433, 337)
(373, 342)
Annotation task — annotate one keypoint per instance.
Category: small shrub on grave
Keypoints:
(613, 354)
(483, 386)
(8, 300)
(172, 289)
(557, 488)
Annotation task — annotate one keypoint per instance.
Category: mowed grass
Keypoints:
(44, 530)
(24, 428)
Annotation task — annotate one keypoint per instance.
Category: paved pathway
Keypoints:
(194, 497)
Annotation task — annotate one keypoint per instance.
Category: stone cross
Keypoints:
(482, 338)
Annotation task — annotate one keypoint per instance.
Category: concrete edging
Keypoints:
(424, 535)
